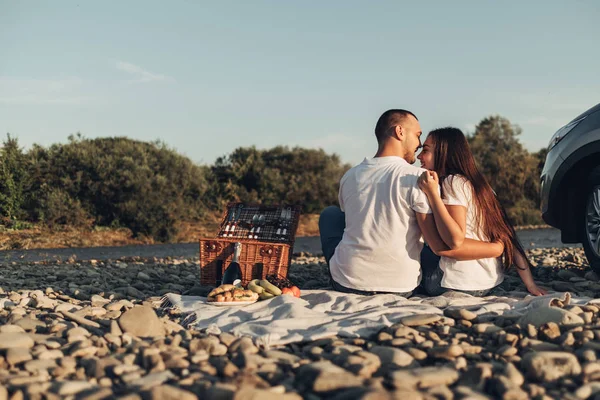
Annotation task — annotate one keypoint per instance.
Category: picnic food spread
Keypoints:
(264, 289)
(256, 289)
(231, 293)
(273, 286)
(284, 284)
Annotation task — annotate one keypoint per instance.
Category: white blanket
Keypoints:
(324, 313)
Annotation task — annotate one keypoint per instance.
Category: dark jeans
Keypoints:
(332, 223)
(431, 281)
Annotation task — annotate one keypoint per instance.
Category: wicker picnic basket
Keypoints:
(267, 234)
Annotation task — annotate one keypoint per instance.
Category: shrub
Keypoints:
(308, 177)
(14, 179)
(146, 187)
(510, 169)
(58, 208)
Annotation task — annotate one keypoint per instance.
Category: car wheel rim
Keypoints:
(593, 220)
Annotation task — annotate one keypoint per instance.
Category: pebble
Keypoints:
(199, 357)
(98, 301)
(35, 366)
(168, 392)
(76, 344)
(70, 388)
(547, 366)
(460, 314)
(588, 390)
(244, 345)
(8, 328)
(323, 377)
(592, 276)
(29, 324)
(513, 374)
(543, 315)
(152, 379)
(423, 378)
(486, 327)
(282, 357)
(548, 261)
(143, 276)
(507, 351)
(503, 388)
(17, 355)
(446, 352)
(392, 356)
(417, 354)
(420, 319)
(141, 321)
(218, 350)
(80, 320)
(78, 332)
(119, 305)
(227, 338)
(11, 340)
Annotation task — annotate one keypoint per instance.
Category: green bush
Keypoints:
(510, 169)
(308, 177)
(525, 212)
(14, 179)
(58, 208)
(146, 187)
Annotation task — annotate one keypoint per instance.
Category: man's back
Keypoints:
(381, 244)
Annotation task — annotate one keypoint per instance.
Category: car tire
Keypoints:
(590, 222)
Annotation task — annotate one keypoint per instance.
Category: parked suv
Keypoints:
(570, 194)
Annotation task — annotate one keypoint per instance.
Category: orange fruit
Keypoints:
(295, 291)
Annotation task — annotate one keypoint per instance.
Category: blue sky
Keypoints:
(207, 77)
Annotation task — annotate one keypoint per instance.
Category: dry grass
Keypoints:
(309, 225)
(44, 238)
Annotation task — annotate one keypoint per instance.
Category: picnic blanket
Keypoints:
(325, 313)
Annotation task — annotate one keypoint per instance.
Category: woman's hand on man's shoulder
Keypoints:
(429, 183)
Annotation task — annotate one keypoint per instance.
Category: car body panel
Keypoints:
(564, 176)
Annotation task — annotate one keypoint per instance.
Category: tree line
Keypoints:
(150, 188)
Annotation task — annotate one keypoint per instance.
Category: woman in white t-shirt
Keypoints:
(468, 208)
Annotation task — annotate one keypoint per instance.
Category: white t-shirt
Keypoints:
(381, 246)
(479, 274)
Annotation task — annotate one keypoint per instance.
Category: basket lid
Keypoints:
(260, 222)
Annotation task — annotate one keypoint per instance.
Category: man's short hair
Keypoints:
(389, 119)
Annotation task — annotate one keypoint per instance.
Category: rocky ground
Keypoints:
(94, 330)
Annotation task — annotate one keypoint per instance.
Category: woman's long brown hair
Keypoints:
(452, 156)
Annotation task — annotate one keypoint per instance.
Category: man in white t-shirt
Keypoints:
(372, 242)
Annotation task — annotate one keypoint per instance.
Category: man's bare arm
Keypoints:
(469, 250)
(472, 249)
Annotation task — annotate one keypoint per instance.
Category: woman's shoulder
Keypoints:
(457, 181)
(457, 186)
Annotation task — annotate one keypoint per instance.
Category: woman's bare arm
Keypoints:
(525, 274)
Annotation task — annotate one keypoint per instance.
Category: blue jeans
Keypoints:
(431, 281)
(332, 223)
